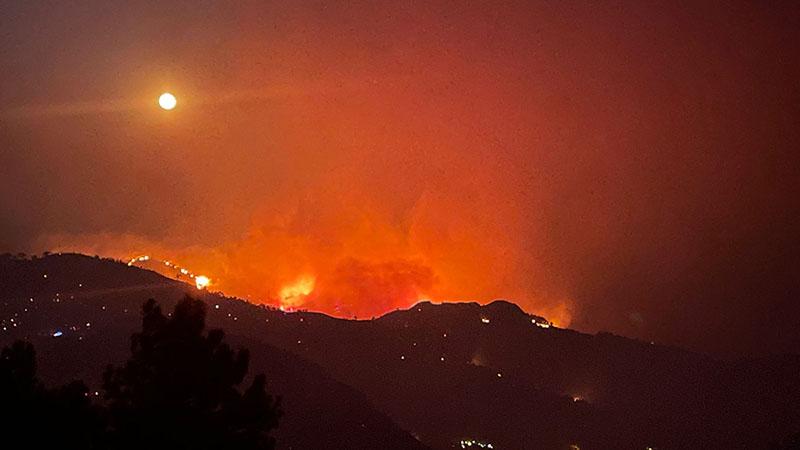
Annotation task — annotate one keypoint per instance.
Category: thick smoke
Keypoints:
(629, 168)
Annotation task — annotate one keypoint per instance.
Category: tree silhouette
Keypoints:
(39, 417)
(178, 389)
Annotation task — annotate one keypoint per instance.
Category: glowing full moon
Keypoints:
(167, 101)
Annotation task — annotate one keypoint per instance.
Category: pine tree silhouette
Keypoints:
(178, 389)
(36, 417)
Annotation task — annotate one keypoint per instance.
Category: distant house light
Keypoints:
(58, 333)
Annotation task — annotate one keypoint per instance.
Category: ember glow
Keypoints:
(201, 281)
(170, 269)
(294, 294)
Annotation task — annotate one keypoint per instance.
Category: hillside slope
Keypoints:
(446, 372)
(95, 304)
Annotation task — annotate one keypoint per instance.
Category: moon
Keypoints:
(167, 101)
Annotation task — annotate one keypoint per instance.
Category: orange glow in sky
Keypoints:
(293, 294)
(601, 167)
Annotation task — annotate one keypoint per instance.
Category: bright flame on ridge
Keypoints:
(293, 294)
(201, 281)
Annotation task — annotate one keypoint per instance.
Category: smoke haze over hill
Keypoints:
(630, 167)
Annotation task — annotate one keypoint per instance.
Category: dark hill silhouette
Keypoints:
(178, 390)
(96, 304)
(444, 372)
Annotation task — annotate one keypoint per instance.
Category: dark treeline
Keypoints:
(178, 390)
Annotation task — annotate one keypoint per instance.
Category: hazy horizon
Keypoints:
(630, 167)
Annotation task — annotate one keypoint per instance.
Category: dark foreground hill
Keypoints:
(432, 375)
(96, 306)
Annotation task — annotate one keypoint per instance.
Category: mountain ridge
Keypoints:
(444, 372)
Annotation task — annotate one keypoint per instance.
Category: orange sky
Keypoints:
(624, 166)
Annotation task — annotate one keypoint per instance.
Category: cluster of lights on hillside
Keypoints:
(539, 322)
(17, 322)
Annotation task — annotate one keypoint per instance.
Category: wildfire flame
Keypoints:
(201, 281)
(374, 271)
(292, 295)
